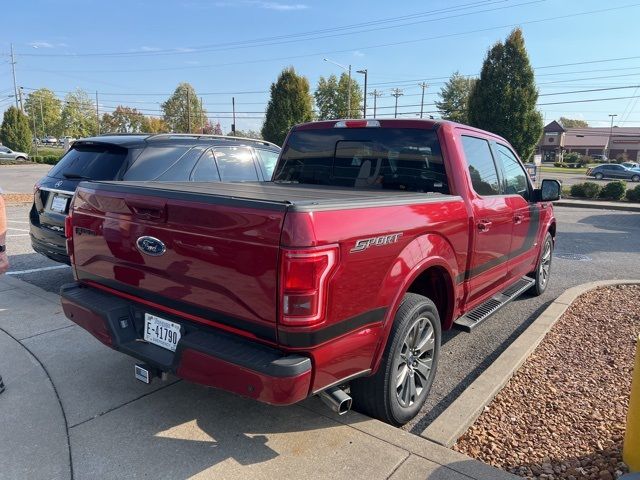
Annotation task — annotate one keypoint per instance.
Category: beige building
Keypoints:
(593, 141)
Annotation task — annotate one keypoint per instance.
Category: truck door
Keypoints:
(491, 223)
(526, 216)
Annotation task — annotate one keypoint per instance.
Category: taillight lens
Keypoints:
(304, 276)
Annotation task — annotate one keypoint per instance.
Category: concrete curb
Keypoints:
(598, 205)
(460, 415)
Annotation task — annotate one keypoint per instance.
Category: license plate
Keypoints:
(161, 332)
(59, 203)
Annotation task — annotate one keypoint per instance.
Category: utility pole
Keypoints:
(233, 108)
(188, 112)
(35, 135)
(13, 68)
(375, 94)
(364, 107)
(97, 113)
(201, 117)
(349, 94)
(396, 92)
(424, 86)
(44, 134)
(610, 133)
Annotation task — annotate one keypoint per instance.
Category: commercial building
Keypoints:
(593, 141)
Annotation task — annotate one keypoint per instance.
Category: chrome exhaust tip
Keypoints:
(336, 399)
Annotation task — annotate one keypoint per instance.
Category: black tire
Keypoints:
(599, 176)
(21, 159)
(543, 268)
(635, 178)
(377, 395)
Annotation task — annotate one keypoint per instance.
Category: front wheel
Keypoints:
(599, 176)
(543, 270)
(397, 391)
(635, 178)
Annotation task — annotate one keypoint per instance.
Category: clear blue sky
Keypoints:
(135, 52)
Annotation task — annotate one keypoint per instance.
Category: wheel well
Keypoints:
(552, 230)
(435, 284)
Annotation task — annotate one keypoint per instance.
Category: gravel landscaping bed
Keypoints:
(15, 198)
(563, 414)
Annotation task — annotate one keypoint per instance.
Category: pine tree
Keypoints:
(290, 104)
(15, 132)
(454, 98)
(503, 100)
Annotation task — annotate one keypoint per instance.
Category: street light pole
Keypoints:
(613, 115)
(365, 72)
(13, 69)
(346, 69)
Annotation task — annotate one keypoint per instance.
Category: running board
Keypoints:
(475, 317)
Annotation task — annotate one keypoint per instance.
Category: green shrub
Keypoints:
(633, 194)
(614, 190)
(50, 159)
(557, 164)
(571, 157)
(591, 189)
(585, 160)
(577, 190)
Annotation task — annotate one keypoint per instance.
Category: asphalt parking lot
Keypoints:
(591, 245)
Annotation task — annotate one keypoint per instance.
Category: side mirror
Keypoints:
(549, 192)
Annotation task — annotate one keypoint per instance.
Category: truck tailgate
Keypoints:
(212, 258)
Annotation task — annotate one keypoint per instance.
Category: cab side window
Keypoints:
(482, 168)
(515, 176)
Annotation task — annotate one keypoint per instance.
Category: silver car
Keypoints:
(7, 154)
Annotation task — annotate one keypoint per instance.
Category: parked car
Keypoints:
(631, 165)
(7, 154)
(599, 158)
(163, 157)
(343, 270)
(613, 170)
(50, 140)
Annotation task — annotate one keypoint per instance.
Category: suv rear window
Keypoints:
(390, 158)
(155, 160)
(95, 162)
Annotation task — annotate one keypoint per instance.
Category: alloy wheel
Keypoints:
(415, 364)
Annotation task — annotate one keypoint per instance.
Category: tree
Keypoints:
(15, 132)
(454, 98)
(217, 129)
(44, 108)
(290, 103)
(246, 134)
(503, 100)
(573, 123)
(78, 117)
(183, 106)
(331, 98)
(154, 125)
(122, 120)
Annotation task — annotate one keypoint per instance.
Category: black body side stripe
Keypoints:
(532, 233)
(309, 339)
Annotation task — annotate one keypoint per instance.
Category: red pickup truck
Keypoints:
(373, 237)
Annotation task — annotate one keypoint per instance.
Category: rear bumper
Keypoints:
(204, 355)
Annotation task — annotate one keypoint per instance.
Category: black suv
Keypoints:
(160, 157)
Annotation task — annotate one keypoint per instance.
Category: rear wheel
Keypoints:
(543, 270)
(635, 178)
(21, 159)
(398, 390)
(599, 176)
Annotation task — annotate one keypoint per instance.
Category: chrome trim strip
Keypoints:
(55, 190)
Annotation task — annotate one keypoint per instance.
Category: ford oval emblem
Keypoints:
(58, 184)
(151, 246)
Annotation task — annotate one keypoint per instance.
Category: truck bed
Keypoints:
(278, 196)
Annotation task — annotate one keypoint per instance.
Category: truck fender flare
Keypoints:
(436, 252)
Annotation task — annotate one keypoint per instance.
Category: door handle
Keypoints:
(517, 219)
(484, 226)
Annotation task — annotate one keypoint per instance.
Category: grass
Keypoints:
(44, 151)
(563, 170)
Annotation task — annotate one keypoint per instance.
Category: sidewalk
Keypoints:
(72, 409)
(599, 204)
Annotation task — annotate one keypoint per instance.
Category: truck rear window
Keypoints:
(390, 158)
(93, 162)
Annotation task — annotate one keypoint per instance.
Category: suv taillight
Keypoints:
(68, 225)
(304, 275)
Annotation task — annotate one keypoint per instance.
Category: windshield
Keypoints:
(389, 158)
(90, 162)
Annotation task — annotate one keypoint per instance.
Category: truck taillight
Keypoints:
(304, 275)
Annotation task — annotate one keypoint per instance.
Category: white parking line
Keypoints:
(16, 221)
(34, 270)
(17, 229)
(18, 235)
